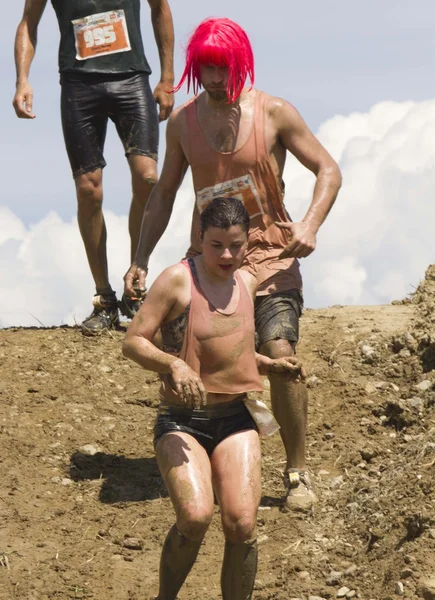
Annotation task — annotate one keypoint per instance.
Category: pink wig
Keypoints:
(223, 43)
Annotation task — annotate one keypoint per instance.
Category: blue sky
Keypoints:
(326, 58)
(334, 59)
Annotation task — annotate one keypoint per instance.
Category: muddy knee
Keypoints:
(239, 529)
(142, 187)
(149, 180)
(193, 522)
(278, 348)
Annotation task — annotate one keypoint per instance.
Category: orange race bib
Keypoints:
(101, 34)
(243, 188)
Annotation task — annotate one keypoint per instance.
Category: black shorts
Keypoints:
(89, 100)
(209, 425)
(277, 317)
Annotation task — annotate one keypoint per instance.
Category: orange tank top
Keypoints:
(246, 174)
(220, 347)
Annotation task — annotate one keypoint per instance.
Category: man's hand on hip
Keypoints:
(303, 240)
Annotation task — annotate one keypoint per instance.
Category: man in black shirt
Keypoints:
(104, 74)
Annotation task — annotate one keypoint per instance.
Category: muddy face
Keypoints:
(223, 250)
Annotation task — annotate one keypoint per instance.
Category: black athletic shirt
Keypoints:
(100, 40)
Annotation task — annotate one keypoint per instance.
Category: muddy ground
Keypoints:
(83, 511)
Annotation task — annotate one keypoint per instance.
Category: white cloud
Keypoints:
(342, 278)
(374, 246)
(382, 223)
(44, 276)
(11, 227)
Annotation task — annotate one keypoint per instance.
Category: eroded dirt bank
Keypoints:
(83, 511)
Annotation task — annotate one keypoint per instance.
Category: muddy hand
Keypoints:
(134, 280)
(290, 366)
(303, 240)
(188, 384)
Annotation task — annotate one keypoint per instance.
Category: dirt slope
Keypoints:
(83, 512)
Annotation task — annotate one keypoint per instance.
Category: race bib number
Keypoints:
(101, 34)
(242, 188)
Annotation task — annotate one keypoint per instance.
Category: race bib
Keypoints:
(242, 188)
(101, 34)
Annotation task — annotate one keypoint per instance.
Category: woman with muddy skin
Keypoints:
(206, 439)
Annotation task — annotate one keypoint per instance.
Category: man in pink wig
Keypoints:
(235, 139)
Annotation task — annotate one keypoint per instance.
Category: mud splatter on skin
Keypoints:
(185, 483)
(178, 557)
(239, 570)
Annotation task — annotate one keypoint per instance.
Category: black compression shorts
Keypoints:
(89, 100)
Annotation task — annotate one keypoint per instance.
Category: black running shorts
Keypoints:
(89, 100)
(209, 425)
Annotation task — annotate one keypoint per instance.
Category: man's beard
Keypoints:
(217, 95)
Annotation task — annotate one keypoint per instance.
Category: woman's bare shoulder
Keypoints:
(172, 279)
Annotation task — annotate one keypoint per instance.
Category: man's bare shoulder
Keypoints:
(180, 112)
(278, 108)
(177, 120)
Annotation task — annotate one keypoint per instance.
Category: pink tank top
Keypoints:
(246, 174)
(220, 347)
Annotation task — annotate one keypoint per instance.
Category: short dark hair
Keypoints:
(223, 213)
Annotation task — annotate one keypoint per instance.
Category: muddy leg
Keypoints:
(239, 569)
(178, 557)
(185, 468)
(290, 407)
(236, 467)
